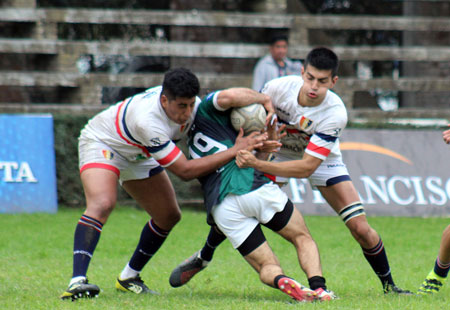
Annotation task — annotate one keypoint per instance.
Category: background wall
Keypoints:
(74, 58)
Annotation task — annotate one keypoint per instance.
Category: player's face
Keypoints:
(316, 84)
(279, 50)
(179, 109)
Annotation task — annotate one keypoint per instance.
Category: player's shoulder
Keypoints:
(210, 101)
(153, 90)
(335, 101)
(335, 108)
(283, 84)
(287, 79)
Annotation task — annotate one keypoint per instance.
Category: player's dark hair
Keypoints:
(180, 82)
(278, 37)
(323, 58)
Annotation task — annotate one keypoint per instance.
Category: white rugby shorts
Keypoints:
(327, 170)
(95, 154)
(238, 215)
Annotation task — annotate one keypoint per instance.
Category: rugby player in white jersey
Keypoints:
(314, 117)
(132, 142)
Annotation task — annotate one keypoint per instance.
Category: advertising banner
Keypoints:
(396, 172)
(27, 164)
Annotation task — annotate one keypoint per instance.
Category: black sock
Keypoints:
(87, 234)
(152, 237)
(215, 238)
(377, 258)
(277, 278)
(441, 269)
(317, 282)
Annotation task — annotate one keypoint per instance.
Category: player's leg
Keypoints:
(290, 225)
(260, 256)
(344, 199)
(438, 275)
(100, 188)
(239, 218)
(198, 261)
(157, 197)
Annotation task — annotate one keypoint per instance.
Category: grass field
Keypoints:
(36, 264)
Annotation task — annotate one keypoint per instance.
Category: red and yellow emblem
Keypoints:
(107, 154)
(305, 123)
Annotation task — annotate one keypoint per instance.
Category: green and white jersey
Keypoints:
(212, 133)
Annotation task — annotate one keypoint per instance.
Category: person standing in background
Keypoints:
(275, 64)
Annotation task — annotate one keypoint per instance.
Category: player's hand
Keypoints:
(249, 142)
(268, 105)
(270, 146)
(275, 132)
(245, 159)
(446, 136)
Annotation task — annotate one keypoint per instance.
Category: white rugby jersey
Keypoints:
(314, 130)
(138, 128)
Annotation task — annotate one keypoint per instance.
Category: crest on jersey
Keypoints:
(107, 154)
(155, 141)
(305, 123)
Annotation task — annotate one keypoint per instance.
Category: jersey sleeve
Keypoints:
(159, 145)
(270, 89)
(326, 136)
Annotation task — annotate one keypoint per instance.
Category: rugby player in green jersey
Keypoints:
(239, 201)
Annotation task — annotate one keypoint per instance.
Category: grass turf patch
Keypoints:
(36, 264)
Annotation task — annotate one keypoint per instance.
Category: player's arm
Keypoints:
(190, 169)
(241, 97)
(301, 168)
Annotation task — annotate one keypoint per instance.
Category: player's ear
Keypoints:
(164, 101)
(334, 80)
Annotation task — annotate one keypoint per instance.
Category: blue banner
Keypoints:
(27, 164)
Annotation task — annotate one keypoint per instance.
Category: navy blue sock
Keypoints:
(87, 234)
(152, 237)
(215, 238)
(377, 258)
(441, 269)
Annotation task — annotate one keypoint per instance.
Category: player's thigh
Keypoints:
(100, 189)
(156, 196)
(261, 256)
(232, 222)
(339, 195)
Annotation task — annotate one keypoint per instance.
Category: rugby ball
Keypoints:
(250, 118)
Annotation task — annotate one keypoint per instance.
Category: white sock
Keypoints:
(76, 279)
(128, 272)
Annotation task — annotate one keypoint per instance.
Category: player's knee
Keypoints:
(172, 219)
(360, 229)
(302, 238)
(101, 207)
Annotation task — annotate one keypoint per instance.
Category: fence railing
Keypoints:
(43, 38)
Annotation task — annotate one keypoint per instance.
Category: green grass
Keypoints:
(36, 264)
